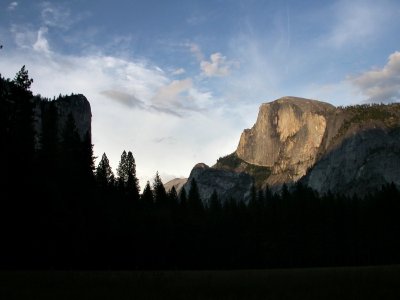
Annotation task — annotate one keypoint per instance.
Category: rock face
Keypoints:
(226, 183)
(177, 183)
(350, 150)
(361, 163)
(286, 137)
(77, 105)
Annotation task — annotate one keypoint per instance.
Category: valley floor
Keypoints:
(378, 282)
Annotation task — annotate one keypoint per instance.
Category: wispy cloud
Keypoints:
(216, 66)
(58, 15)
(382, 85)
(126, 99)
(358, 21)
(41, 44)
(179, 71)
(195, 49)
(24, 36)
(172, 93)
(12, 6)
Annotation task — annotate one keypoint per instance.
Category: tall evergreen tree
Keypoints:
(194, 202)
(104, 173)
(173, 196)
(22, 79)
(183, 199)
(147, 198)
(160, 195)
(121, 172)
(87, 160)
(127, 180)
(132, 183)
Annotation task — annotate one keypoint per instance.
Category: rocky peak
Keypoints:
(286, 137)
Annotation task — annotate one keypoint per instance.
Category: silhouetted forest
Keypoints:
(57, 211)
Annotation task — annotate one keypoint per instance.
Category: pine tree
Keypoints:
(147, 197)
(173, 196)
(22, 79)
(121, 171)
(88, 159)
(194, 202)
(104, 173)
(127, 180)
(160, 195)
(183, 199)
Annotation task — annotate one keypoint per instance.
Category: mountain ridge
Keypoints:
(303, 140)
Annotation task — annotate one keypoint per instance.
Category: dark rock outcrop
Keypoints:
(77, 105)
(227, 184)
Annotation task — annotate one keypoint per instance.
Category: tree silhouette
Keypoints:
(195, 205)
(127, 180)
(104, 173)
(160, 195)
(22, 79)
(147, 197)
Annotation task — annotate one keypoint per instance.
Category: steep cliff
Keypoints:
(286, 137)
(77, 105)
(352, 150)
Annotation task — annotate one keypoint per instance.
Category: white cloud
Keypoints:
(217, 66)
(179, 71)
(380, 84)
(172, 92)
(13, 5)
(41, 44)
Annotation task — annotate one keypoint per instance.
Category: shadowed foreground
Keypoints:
(325, 283)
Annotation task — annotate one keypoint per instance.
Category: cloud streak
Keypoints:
(41, 44)
(12, 6)
(381, 85)
(123, 98)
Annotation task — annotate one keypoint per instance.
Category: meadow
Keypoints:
(376, 282)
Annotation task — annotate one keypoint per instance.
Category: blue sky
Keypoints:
(176, 82)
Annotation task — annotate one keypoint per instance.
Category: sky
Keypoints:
(177, 81)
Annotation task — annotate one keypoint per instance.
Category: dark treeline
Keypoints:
(58, 211)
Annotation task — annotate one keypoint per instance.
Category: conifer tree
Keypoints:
(132, 183)
(194, 202)
(147, 197)
(173, 196)
(127, 180)
(160, 195)
(88, 158)
(104, 173)
(22, 79)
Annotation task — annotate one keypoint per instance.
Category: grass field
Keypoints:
(321, 283)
